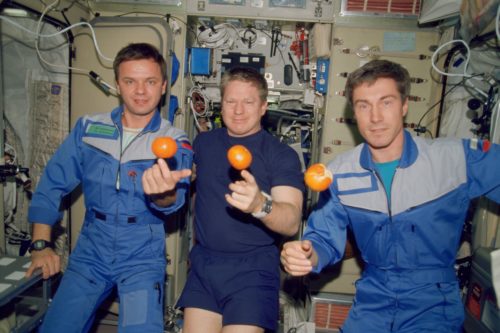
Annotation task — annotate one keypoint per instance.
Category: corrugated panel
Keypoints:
(404, 7)
(330, 315)
(338, 315)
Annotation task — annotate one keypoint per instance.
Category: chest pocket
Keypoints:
(131, 183)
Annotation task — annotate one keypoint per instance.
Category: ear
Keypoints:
(263, 108)
(117, 87)
(405, 107)
(164, 87)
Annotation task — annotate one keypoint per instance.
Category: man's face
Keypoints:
(242, 108)
(140, 84)
(379, 113)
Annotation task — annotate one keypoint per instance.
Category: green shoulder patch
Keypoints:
(101, 130)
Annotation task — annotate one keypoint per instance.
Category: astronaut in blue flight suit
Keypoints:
(405, 199)
(127, 192)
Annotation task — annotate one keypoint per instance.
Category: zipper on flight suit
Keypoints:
(117, 183)
(389, 204)
(389, 201)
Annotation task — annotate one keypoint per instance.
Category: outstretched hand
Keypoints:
(245, 194)
(159, 179)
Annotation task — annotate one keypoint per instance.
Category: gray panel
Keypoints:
(303, 10)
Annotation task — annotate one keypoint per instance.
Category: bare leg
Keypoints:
(201, 321)
(242, 329)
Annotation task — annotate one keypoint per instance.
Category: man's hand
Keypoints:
(160, 179)
(298, 257)
(159, 182)
(245, 194)
(47, 260)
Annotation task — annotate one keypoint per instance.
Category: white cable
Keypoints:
(94, 38)
(466, 64)
(106, 86)
(433, 59)
(217, 36)
(38, 35)
(497, 23)
(64, 30)
(494, 123)
(199, 91)
(196, 114)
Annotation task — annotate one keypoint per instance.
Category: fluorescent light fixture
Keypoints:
(15, 12)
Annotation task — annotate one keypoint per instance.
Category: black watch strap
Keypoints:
(39, 245)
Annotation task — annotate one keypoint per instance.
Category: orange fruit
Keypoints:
(164, 147)
(318, 177)
(239, 157)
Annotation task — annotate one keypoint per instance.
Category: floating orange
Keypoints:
(164, 147)
(318, 177)
(239, 157)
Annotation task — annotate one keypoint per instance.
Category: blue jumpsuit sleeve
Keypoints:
(184, 159)
(483, 176)
(62, 174)
(326, 229)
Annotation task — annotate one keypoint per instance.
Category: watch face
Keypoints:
(268, 206)
(39, 244)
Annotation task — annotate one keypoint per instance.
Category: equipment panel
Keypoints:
(303, 10)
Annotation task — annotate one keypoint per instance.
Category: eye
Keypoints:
(127, 81)
(151, 82)
(229, 101)
(361, 107)
(388, 102)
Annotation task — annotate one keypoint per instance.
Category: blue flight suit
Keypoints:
(122, 240)
(408, 244)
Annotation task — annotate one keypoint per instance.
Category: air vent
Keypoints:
(142, 2)
(396, 8)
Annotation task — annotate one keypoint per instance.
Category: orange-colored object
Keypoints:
(239, 157)
(318, 177)
(164, 147)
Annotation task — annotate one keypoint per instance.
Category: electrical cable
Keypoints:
(249, 41)
(475, 42)
(447, 61)
(278, 46)
(495, 118)
(419, 128)
(497, 18)
(198, 103)
(218, 36)
(106, 86)
(466, 64)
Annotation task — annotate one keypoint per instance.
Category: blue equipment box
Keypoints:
(200, 63)
(322, 66)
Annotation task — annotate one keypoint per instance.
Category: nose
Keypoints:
(140, 87)
(238, 108)
(375, 115)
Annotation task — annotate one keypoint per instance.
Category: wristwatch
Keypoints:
(267, 207)
(39, 245)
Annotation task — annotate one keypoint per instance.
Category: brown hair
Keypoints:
(376, 69)
(139, 51)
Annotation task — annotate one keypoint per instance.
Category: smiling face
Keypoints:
(379, 113)
(141, 86)
(242, 108)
